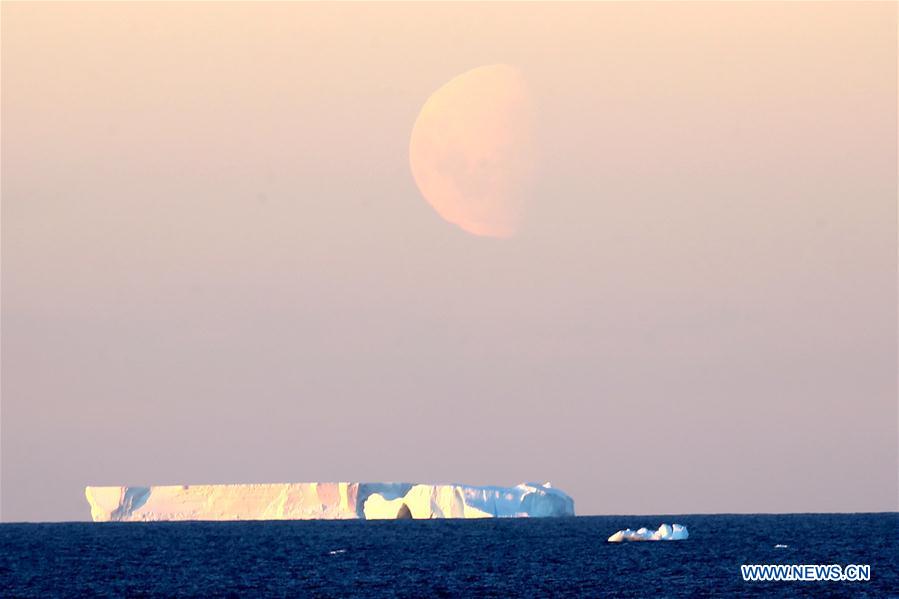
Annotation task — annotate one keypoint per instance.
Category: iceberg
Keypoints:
(674, 532)
(325, 501)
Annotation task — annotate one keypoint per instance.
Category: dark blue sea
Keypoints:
(566, 557)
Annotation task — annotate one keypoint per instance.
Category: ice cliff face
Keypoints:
(324, 501)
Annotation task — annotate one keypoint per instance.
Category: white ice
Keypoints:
(665, 532)
(307, 501)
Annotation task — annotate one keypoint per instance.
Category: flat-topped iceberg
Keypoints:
(674, 532)
(325, 501)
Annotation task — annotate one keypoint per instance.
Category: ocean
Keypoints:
(564, 557)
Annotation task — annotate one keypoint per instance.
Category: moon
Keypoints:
(472, 150)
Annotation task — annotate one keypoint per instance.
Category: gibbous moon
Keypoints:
(472, 150)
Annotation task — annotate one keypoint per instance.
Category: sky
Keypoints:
(217, 266)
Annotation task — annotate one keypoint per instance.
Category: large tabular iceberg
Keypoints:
(324, 501)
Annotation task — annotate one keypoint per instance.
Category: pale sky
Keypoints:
(217, 267)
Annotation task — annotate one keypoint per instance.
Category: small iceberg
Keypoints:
(673, 532)
(779, 546)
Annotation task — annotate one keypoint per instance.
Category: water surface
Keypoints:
(487, 558)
